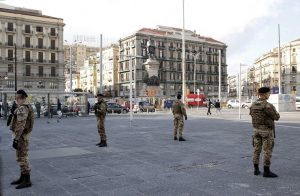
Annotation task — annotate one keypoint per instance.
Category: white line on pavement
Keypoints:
(288, 126)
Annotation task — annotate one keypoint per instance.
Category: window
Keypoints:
(10, 84)
(40, 57)
(40, 43)
(27, 42)
(10, 26)
(39, 29)
(27, 56)
(10, 40)
(53, 71)
(161, 54)
(53, 85)
(53, 57)
(41, 71)
(52, 31)
(53, 44)
(10, 55)
(144, 52)
(27, 28)
(10, 68)
(28, 84)
(28, 70)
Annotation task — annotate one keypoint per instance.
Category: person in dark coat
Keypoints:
(208, 107)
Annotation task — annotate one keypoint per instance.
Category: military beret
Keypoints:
(22, 92)
(263, 90)
(99, 95)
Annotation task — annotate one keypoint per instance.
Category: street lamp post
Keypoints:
(16, 87)
(240, 89)
(195, 65)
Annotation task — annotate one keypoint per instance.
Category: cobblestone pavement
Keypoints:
(145, 160)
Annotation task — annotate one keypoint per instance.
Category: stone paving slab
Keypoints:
(145, 160)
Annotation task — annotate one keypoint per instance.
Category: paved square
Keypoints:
(145, 160)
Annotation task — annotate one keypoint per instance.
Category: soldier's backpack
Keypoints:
(29, 120)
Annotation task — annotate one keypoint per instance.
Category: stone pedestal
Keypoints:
(152, 67)
(283, 102)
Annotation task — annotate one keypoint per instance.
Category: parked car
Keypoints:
(116, 108)
(144, 106)
(234, 103)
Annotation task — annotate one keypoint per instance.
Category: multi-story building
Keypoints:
(265, 71)
(80, 52)
(90, 73)
(168, 52)
(37, 40)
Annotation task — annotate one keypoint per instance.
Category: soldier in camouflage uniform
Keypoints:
(263, 116)
(100, 111)
(179, 111)
(21, 127)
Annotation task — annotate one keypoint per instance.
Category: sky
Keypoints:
(248, 27)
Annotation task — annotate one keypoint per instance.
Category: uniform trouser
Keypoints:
(178, 125)
(22, 154)
(101, 128)
(263, 139)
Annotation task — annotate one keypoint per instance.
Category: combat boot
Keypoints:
(181, 139)
(25, 183)
(103, 143)
(256, 170)
(268, 173)
(18, 181)
(175, 137)
(98, 144)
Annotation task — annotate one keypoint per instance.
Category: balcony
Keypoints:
(41, 47)
(41, 75)
(27, 46)
(53, 75)
(41, 61)
(10, 30)
(28, 60)
(161, 47)
(53, 34)
(27, 32)
(52, 48)
(40, 33)
(53, 61)
(10, 44)
(172, 48)
(9, 58)
(200, 61)
(28, 75)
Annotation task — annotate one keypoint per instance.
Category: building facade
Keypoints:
(265, 72)
(90, 73)
(168, 52)
(37, 41)
(80, 53)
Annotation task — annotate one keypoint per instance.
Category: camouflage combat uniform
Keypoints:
(21, 126)
(100, 112)
(179, 112)
(263, 115)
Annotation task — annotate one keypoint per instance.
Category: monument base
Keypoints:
(283, 102)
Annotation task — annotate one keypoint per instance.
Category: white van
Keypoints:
(297, 103)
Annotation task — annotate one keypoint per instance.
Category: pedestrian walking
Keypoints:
(218, 106)
(21, 126)
(100, 112)
(179, 112)
(263, 116)
(38, 109)
(88, 107)
(208, 107)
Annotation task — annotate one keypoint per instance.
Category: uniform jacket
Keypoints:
(178, 108)
(263, 114)
(100, 108)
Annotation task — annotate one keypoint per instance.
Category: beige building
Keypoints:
(80, 52)
(90, 73)
(265, 72)
(39, 50)
(168, 52)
